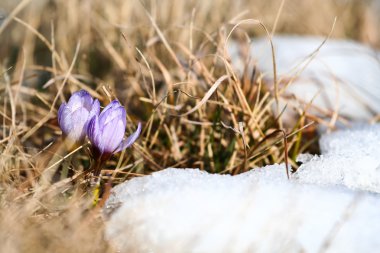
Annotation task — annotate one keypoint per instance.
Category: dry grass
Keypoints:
(166, 62)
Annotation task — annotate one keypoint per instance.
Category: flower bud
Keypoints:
(106, 131)
(73, 117)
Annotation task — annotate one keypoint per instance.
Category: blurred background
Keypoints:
(99, 26)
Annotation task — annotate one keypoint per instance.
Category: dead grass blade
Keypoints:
(207, 96)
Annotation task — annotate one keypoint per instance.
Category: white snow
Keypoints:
(349, 157)
(187, 210)
(344, 76)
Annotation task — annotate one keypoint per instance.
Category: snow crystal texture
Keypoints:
(349, 157)
(187, 210)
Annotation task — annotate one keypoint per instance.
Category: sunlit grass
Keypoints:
(166, 63)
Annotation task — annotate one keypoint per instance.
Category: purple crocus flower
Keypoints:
(106, 131)
(73, 117)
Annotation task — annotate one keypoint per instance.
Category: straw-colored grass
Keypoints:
(166, 62)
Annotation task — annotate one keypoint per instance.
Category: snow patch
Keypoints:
(342, 77)
(349, 157)
(187, 210)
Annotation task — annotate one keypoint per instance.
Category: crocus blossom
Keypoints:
(106, 131)
(74, 116)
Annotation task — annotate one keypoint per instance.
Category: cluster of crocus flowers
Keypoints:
(81, 117)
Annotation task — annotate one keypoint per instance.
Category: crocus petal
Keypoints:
(65, 120)
(115, 114)
(79, 120)
(60, 112)
(130, 140)
(106, 130)
(95, 110)
(111, 111)
(86, 99)
(112, 135)
(81, 94)
(94, 134)
(111, 106)
(75, 102)
(74, 116)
